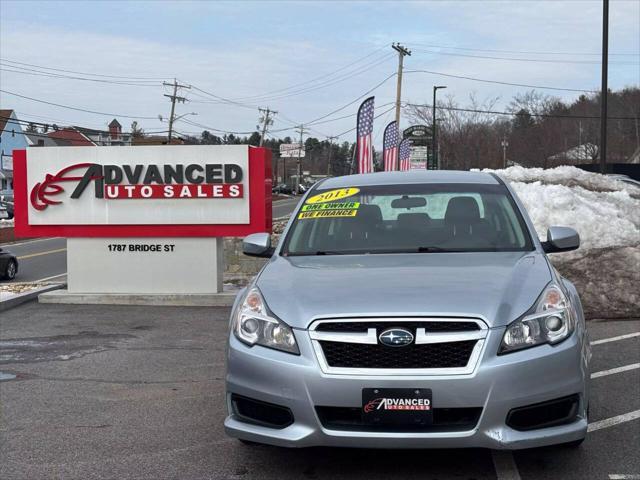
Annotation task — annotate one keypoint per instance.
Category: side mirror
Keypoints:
(561, 239)
(258, 245)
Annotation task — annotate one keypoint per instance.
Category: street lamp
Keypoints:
(184, 115)
(433, 127)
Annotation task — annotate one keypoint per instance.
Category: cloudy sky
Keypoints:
(303, 59)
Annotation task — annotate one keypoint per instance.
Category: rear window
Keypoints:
(408, 219)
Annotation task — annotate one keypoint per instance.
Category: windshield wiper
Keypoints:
(318, 252)
(432, 249)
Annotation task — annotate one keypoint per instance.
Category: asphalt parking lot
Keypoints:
(137, 392)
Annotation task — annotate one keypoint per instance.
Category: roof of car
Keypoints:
(411, 176)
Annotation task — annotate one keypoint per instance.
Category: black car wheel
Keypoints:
(11, 270)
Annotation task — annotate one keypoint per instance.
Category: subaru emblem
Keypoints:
(396, 337)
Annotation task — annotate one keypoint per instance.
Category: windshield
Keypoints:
(408, 219)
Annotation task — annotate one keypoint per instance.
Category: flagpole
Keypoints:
(353, 157)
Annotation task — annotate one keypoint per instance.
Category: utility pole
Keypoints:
(434, 144)
(174, 98)
(402, 51)
(331, 139)
(504, 145)
(604, 88)
(266, 120)
(301, 130)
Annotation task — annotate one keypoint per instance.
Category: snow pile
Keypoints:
(565, 175)
(606, 214)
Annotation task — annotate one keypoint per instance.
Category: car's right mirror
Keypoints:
(561, 239)
(257, 245)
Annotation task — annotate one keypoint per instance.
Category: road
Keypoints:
(138, 393)
(40, 260)
(46, 259)
(284, 207)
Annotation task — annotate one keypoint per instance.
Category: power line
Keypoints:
(496, 112)
(377, 116)
(534, 60)
(316, 78)
(26, 71)
(333, 81)
(26, 123)
(76, 108)
(22, 114)
(518, 51)
(375, 87)
(225, 100)
(299, 91)
(82, 73)
(463, 77)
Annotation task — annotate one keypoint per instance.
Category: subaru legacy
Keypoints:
(409, 310)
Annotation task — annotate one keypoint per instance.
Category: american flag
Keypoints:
(390, 147)
(405, 154)
(365, 141)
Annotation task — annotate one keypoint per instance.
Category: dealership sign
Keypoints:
(291, 150)
(169, 191)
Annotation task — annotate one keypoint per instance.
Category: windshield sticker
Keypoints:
(333, 195)
(331, 206)
(328, 213)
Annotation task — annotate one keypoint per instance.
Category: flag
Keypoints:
(390, 147)
(364, 134)
(405, 154)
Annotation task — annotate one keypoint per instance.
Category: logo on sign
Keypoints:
(410, 404)
(112, 182)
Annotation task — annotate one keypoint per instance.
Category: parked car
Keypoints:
(282, 189)
(8, 265)
(624, 178)
(409, 310)
(6, 202)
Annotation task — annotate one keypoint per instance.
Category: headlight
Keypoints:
(552, 322)
(253, 324)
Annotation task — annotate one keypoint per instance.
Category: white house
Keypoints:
(11, 138)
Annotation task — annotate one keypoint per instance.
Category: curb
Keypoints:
(27, 297)
(223, 299)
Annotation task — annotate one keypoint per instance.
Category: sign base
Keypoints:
(145, 265)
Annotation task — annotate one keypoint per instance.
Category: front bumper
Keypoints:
(498, 384)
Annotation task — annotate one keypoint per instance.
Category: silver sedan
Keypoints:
(409, 310)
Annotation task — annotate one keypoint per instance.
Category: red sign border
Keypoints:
(260, 215)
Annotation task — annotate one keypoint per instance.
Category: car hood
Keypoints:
(497, 286)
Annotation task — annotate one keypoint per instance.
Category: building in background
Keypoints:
(114, 137)
(11, 138)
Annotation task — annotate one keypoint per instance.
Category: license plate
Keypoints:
(405, 406)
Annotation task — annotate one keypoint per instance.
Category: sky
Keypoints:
(303, 59)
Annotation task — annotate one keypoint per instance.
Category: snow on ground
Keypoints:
(606, 214)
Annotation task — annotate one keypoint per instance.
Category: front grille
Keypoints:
(434, 355)
(444, 420)
(429, 326)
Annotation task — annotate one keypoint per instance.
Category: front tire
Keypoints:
(11, 270)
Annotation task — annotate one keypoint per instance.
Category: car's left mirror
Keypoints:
(258, 245)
